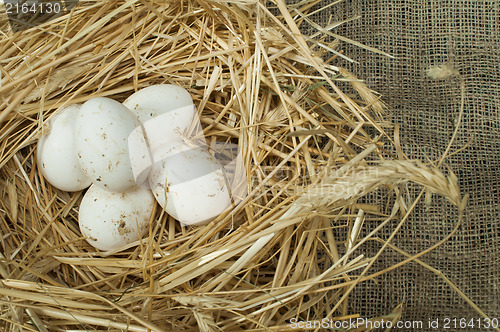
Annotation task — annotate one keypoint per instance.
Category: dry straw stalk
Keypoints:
(314, 142)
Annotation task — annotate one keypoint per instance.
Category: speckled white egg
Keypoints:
(102, 129)
(165, 110)
(56, 154)
(150, 102)
(189, 184)
(112, 220)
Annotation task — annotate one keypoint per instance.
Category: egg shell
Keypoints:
(165, 110)
(154, 100)
(189, 184)
(112, 220)
(56, 153)
(102, 129)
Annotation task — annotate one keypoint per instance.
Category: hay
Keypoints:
(314, 143)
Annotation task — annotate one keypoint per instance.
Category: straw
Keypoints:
(292, 249)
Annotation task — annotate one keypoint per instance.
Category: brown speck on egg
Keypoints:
(122, 228)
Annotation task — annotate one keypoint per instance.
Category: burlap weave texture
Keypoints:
(420, 34)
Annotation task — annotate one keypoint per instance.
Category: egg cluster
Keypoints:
(150, 147)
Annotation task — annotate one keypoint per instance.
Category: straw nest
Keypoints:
(314, 143)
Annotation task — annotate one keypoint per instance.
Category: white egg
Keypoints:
(102, 129)
(166, 111)
(189, 184)
(56, 152)
(112, 220)
(150, 102)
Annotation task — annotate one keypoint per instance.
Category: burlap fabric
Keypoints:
(420, 34)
